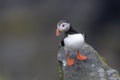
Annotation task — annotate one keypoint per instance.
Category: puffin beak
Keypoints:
(57, 32)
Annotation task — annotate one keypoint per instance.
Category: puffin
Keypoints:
(72, 40)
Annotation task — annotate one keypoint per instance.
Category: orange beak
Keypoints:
(57, 32)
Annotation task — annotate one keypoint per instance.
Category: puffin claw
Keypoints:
(81, 57)
(70, 62)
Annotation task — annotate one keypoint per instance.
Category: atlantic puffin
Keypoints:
(71, 41)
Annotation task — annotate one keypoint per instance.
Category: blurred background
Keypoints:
(28, 45)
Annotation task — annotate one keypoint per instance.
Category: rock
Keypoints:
(94, 68)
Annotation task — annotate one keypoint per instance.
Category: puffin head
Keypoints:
(62, 26)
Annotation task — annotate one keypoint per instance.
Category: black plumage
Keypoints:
(70, 31)
(62, 43)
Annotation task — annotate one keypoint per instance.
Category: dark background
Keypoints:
(28, 45)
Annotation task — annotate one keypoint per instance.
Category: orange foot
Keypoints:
(81, 57)
(70, 62)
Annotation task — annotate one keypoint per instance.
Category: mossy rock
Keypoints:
(94, 68)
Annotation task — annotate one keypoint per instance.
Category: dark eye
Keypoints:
(63, 25)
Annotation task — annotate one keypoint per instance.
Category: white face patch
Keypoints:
(64, 26)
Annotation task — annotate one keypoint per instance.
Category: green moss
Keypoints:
(60, 71)
(103, 60)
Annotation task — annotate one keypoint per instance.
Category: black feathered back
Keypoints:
(70, 31)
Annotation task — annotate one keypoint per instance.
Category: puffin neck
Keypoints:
(70, 31)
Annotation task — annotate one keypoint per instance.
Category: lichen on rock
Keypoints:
(94, 68)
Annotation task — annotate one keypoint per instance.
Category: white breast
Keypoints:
(74, 42)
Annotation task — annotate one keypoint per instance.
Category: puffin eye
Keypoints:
(63, 25)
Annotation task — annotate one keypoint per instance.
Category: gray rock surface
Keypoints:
(94, 68)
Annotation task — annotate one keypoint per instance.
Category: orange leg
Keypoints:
(81, 57)
(70, 61)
